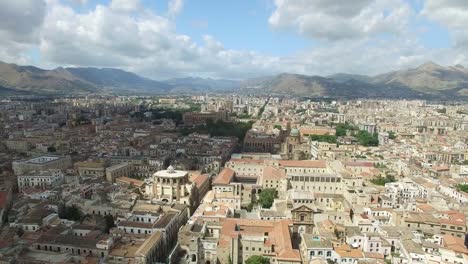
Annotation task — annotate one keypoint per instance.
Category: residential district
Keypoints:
(232, 179)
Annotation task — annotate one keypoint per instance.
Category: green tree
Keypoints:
(267, 196)
(323, 138)
(391, 135)
(342, 129)
(257, 260)
(220, 129)
(244, 116)
(51, 149)
(108, 223)
(383, 180)
(340, 132)
(82, 120)
(463, 187)
(277, 127)
(70, 213)
(367, 139)
(19, 231)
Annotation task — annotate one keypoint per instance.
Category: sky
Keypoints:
(235, 39)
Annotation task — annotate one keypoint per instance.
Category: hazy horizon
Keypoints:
(234, 40)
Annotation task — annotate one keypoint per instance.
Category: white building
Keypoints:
(170, 185)
(404, 192)
(42, 180)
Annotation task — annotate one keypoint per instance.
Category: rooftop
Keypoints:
(42, 159)
(303, 163)
(312, 241)
(170, 173)
(224, 177)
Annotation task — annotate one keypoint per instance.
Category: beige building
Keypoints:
(312, 175)
(120, 170)
(94, 169)
(171, 185)
(41, 180)
(226, 190)
(144, 251)
(18, 145)
(41, 163)
(243, 238)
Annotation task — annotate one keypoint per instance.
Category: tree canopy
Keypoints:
(257, 260)
(383, 180)
(463, 187)
(108, 223)
(221, 129)
(323, 138)
(367, 139)
(51, 149)
(267, 196)
(71, 213)
(342, 129)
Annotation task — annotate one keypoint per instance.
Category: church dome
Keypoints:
(170, 169)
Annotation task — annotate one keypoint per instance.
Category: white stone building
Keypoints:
(42, 180)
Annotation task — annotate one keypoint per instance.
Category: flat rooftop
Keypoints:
(42, 159)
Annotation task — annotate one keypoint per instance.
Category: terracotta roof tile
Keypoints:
(224, 177)
(303, 163)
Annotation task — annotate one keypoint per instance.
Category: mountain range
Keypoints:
(429, 80)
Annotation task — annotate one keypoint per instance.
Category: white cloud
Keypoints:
(336, 20)
(21, 19)
(125, 5)
(20, 28)
(125, 35)
(144, 43)
(451, 14)
(174, 7)
(79, 2)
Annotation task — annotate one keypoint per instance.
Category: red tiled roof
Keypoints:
(224, 177)
(454, 243)
(278, 235)
(303, 163)
(258, 161)
(273, 173)
(128, 180)
(345, 251)
(316, 131)
(199, 179)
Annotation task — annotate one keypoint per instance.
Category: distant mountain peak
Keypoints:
(429, 66)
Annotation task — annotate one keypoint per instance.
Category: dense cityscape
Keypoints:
(233, 132)
(232, 179)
